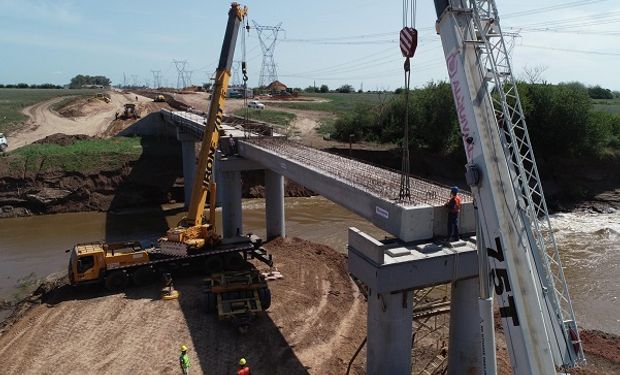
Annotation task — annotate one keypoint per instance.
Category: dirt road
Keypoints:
(314, 325)
(44, 121)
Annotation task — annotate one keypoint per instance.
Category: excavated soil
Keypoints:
(316, 321)
(315, 324)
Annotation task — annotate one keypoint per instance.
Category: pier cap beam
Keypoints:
(391, 265)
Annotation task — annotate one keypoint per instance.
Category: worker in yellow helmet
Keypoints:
(244, 369)
(184, 360)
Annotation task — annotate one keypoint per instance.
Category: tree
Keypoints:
(324, 89)
(597, 92)
(86, 80)
(345, 89)
(534, 74)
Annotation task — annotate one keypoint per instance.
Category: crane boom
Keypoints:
(191, 233)
(206, 157)
(525, 268)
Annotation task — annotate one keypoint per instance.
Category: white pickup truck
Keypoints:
(4, 144)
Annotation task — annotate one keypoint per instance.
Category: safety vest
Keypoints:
(455, 205)
(244, 371)
(184, 360)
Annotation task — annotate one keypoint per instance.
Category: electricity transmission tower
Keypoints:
(267, 35)
(156, 78)
(236, 77)
(181, 75)
(188, 77)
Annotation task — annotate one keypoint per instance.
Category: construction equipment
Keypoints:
(104, 97)
(129, 112)
(117, 265)
(237, 296)
(192, 242)
(160, 99)
(518, 256)
(192, 233)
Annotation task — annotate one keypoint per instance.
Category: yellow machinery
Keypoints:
(192, 241)
(159, 98)
(192, 233)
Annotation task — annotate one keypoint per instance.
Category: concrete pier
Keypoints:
(392, 270)
(232, 214)
(464, 347)
(188, 151)
(390, 328)
(274, 205)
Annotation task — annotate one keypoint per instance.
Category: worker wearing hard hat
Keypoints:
(454, 207)
(184, 360)
(244, 369)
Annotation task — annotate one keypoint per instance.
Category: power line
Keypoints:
(573, 50)
(551, 8)
(180, 65)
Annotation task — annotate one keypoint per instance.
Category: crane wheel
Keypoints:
(210, 302)
(143, 276)
(116, 280)
(265, 297)
(214, 264)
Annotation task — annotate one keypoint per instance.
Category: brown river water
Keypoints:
(33, 247)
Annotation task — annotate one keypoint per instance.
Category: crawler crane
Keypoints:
(518, 257)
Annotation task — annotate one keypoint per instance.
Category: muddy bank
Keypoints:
(585, 184)
(140, 180)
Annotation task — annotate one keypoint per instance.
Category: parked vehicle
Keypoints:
(4, 144)
(256, 104)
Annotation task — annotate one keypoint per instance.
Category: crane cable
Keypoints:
(244, 71)
(408, 44)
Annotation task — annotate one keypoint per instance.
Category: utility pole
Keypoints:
(267, 40)
(124, 80)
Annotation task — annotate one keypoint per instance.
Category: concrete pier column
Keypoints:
(188, 151)
(232, 214)
(464, 347)
(274, 205)
(389, 332)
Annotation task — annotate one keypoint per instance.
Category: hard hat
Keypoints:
(183, 348)
(242, 362)
(454, 189)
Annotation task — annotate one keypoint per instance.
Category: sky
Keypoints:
(322, 41)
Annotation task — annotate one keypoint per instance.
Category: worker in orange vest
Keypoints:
(244, 369)
(454, 207)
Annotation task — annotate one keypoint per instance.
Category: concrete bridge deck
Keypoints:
(367, 190)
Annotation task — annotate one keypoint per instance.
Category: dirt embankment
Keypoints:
(148, 180)
(314, 325)
(316, 322)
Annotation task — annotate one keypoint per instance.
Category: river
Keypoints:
(33, 247)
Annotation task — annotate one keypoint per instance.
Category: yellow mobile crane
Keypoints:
(192, 241)
(192, 233)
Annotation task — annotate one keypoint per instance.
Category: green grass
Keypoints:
(13, 101)
(82, 156)
(335, 102)
(607, 105)
(267, 115)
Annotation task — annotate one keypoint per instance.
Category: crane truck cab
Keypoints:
(92, 262)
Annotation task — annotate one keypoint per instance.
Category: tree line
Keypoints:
(561, 121)
(27, 86)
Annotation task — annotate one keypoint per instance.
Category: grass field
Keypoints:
(273, 117)
(607, 105)
(82, 156)
(337, 103)
(13, 101)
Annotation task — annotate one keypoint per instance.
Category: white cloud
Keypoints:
(61, 12)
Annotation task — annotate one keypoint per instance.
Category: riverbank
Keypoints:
(314, 326)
